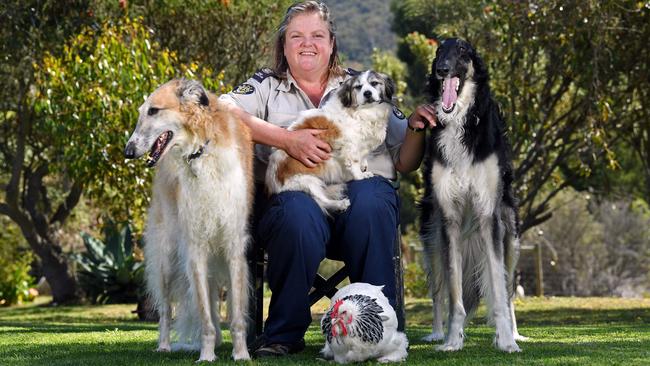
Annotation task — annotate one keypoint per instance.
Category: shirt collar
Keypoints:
(286, 84)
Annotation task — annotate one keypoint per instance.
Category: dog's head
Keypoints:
(163, 118)
(456, 63)
(366, 89)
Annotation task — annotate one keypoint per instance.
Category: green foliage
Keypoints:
(390, 65)
(109, 271)
(233, 37)
(415, 281)
(15, 280)
(88, 98)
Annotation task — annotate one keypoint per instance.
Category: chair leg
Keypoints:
(399, 283)
(256, 300)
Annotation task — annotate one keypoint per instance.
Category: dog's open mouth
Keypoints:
(158, 148)
(450, 88)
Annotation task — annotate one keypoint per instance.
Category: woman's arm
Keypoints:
(302, 145)
(412, 150)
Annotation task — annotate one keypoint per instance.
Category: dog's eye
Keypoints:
(357, 87)
(375, 83)
(152, 111)
(462, 49)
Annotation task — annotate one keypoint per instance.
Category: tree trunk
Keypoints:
(56, 270)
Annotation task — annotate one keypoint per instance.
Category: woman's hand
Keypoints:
(306, 147)
(423, 116)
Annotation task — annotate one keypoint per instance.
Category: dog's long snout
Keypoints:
(129, 150)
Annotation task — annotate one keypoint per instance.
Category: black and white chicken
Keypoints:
(360, 325)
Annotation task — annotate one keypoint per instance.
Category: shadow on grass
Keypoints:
(560, 316)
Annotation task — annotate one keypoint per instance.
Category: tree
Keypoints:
(561, 72)
(66, 112)
(27, 30)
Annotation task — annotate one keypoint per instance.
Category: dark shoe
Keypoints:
(279, 349)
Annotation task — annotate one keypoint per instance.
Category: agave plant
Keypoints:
(108, 271)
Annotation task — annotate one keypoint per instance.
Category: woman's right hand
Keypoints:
(306, 147)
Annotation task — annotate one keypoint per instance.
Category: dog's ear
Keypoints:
(191, 91)
(345, 93)
(389, 87)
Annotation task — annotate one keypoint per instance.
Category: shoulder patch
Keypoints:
(398, 113)
(244, 89)
(352, 72)
(263, 73)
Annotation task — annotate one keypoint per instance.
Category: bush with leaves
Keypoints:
(15, 280)
(109, 271)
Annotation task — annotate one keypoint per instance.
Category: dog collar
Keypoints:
(197, 154)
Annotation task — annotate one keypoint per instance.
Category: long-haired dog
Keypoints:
(355, 118)
(196, 234)
(469, 220)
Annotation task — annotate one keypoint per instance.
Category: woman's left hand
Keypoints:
(423, 116)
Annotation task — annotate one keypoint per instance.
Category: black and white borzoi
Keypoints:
(469, 221)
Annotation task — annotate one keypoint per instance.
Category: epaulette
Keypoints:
(263, 73)
(352, 72)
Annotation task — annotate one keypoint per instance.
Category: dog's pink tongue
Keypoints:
(449, 93)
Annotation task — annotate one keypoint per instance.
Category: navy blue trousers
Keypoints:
(297, 236)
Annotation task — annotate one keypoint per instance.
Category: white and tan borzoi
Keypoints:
(196, 234)
(355, 118)
(469, 223)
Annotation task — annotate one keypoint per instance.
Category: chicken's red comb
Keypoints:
(337, 304)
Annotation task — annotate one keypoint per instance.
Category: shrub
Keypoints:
(415, 281)
(15, 280)
(109, 270)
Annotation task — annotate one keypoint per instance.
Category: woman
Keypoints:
(290, 226)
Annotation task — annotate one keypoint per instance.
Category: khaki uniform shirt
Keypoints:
(279, 101)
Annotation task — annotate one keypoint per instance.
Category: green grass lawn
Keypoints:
(562, 331)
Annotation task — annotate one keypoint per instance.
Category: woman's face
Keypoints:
(307, 44)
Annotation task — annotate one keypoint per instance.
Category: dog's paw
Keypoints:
(341, 205)
(208, 357)
(241, 356)
(520, 338)
(451, 345)
(163, 348)
(506, 344)
(434, 336)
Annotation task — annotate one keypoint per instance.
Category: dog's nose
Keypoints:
(129, 151)
(367, 94)
(443, 70)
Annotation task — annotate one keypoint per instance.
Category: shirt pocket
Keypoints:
(281, 119)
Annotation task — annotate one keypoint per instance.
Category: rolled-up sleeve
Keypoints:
(251, 96)
(396, 133)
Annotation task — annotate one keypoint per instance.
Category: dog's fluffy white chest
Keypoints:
(462, 181)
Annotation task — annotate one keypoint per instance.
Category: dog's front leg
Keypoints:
(239, 297)
(493, 277)
(457, 314)
(198, 274)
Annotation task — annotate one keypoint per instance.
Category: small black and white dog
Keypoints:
(469, 222)
(354, 119)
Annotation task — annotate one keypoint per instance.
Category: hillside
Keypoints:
(362, 25)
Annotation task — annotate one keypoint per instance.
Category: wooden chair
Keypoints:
(321, 287)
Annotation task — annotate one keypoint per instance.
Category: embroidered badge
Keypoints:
(244, 89)
(398, 113)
